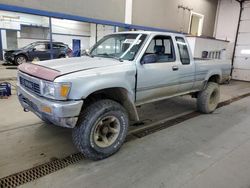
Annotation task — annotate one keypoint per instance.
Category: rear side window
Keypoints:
(40, 47)
(58, 46)
(183, 50)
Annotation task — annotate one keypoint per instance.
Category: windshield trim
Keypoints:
(130, 47)
(121, 56)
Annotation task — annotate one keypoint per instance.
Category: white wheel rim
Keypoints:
(21, 60)
(106, 131)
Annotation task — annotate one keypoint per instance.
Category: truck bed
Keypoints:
(220, 66)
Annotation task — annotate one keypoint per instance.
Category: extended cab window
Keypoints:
(162, 47)
(183, 50)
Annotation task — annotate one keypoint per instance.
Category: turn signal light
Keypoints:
(47, 109)
(64, 90)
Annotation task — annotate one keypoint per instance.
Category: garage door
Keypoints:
(242, 54)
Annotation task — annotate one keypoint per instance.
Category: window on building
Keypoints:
(196, 24)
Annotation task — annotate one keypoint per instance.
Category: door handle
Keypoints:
(175, 68)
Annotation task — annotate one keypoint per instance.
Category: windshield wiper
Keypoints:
(88, 54)
(110, 56)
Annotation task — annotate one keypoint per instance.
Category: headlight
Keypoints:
(59, 91)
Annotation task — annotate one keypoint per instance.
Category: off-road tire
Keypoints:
(208, 99)
(83, 134)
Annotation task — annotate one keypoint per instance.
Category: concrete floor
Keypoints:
(7, 72)
(169, 158)
(207, 151)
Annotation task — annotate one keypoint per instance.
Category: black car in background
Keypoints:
(37, 51)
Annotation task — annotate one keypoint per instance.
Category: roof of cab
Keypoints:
(149, 32)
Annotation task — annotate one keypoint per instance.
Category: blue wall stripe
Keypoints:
(77, 18)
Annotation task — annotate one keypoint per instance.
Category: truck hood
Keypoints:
(68, 65)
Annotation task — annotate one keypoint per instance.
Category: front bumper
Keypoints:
(61, 113)
(9, 58)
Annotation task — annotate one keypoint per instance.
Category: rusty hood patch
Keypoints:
(39, 71)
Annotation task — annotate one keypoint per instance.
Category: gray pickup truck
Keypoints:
(97, 94)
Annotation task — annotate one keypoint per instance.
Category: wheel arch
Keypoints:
(23, 54)
(118, 94)
(214, 78)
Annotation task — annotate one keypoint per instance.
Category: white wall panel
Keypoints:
(242, 62)
(246, 4)
(241, 74)
(14, 20)
(68, 40)
(242, 51)
(4, 37)
(21, 42)
(228, 16)
(242, 54)
(245, 14)
(70, 27)
(92, 39)
(243, 39)
(244, 26)
(103, 30)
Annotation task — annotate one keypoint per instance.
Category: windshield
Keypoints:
(28, 46)
(120, 46)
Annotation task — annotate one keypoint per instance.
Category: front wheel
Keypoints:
(209, 98)
(19, 59)
(101, 129)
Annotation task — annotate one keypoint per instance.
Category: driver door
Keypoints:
(158, 79)
(40, 51)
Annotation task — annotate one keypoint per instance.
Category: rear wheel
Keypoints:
(19, 59)
(101, 129)
(208, 99)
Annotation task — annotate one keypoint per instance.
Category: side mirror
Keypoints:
(149, 58)
(85, 52)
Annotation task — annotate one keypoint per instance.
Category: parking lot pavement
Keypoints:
(206, 151)
(31, 142)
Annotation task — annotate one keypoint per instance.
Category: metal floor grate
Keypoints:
(34, 173)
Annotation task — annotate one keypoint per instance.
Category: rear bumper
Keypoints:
(61, 113)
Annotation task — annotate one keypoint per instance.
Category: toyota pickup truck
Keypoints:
(97, 94)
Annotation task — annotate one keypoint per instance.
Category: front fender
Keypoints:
(87, 82)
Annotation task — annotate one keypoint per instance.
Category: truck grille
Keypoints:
(32, 86)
